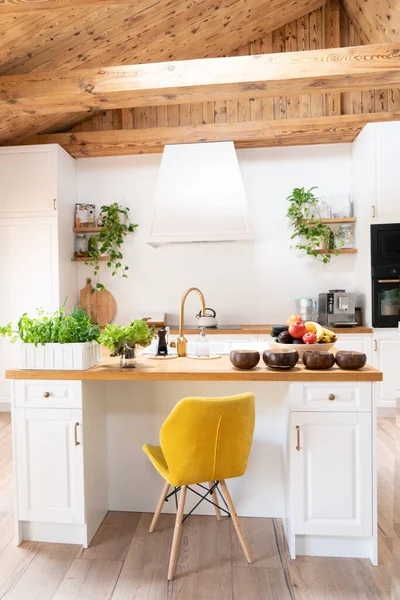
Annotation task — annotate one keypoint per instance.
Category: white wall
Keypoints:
(247, 282)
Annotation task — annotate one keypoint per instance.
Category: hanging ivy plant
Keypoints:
(115, 227)
(313, 234)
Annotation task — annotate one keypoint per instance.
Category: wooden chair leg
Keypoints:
(236, 522)
(214, 498)
(159, 507)
(177, 534)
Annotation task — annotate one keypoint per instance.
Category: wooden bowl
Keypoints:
(347, 359)
(280, 358)
(245, 359)
(301, 348)
(318, 360)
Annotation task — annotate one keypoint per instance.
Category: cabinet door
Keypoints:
(387, 179)
(331, 473)
(27, 180)
(386, 359)
(49, 465)
(356, 343)
(29, 268)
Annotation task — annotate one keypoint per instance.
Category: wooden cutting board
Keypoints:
(100, 305)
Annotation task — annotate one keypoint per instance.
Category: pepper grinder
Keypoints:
(163, 335)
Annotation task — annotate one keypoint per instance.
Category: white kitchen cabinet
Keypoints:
(386, 356)
(49, 465)
(331, 473)
(375, 172)
(36, 242)
(357, 342)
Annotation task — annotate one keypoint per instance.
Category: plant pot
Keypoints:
(63, 357)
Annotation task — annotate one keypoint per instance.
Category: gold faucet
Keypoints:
(181, 341)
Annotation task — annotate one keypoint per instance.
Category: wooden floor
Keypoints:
(124, 562)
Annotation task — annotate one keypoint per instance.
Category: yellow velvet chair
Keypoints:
(203, 440)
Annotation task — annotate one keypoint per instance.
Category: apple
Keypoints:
(292, 319)
(297, 329)
(309, 338)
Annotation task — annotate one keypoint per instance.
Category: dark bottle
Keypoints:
(162, 341)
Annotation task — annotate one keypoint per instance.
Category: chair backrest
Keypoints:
(206, 439)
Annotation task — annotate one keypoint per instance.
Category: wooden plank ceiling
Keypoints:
(95, 33)
(87, 34)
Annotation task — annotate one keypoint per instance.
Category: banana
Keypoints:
(319, 332)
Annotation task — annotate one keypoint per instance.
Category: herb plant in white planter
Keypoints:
(56, 340)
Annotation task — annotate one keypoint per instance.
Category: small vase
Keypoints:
(127, 360)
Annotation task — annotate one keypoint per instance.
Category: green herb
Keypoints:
(116, 226)
(55, 327)
(121, 338)
(304, 205)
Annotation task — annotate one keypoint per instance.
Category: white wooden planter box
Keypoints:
(69, 357)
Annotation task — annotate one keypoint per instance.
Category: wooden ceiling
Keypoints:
(93, 33)
(67, 35)
(375, 20)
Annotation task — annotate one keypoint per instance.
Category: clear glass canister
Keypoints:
(81, 244)
(345, 236)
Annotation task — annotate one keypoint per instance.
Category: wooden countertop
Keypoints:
(185, 369)
(264, 329)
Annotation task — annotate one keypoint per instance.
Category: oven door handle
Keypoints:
(388, 280)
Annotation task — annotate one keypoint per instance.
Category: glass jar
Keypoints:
(202, 345)
(345, 236)
(81, 244)
(127, 360)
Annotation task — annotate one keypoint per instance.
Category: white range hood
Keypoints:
(199, 196)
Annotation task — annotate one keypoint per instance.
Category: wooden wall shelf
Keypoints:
(87, 229)
(339, 251)
(333, 221)
(83, 258)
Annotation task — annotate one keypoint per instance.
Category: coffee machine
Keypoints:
(337, 308)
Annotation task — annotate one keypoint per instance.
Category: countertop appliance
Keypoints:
(337, 308)
(208, 319)
(385, 272)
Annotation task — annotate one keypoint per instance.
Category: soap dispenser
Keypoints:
(202, 345)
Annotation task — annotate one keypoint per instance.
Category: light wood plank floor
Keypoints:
(124, 562)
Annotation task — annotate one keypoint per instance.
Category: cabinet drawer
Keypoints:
(331, 397)
(47, 394)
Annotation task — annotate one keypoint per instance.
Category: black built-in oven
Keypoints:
(385, 264)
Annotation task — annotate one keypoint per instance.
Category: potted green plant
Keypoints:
(56, 340)
(313, 234)
(108, 242)
(121, 340)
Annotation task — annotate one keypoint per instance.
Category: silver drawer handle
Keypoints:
(46, 394)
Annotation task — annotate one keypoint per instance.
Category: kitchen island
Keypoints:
(78, 435)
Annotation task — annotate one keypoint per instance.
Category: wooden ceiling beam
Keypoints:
(375, 21)
(211, 79)
(253, 134)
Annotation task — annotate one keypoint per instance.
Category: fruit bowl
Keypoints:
(301, 348)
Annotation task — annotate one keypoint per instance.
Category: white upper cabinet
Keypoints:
(28, 180)
(36, 241)
(387, 206)
(375, 172)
